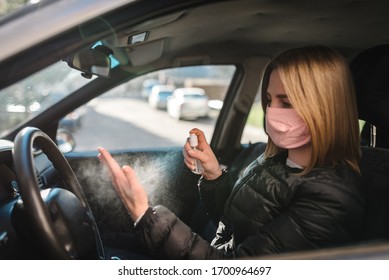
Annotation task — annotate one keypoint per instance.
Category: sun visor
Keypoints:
(145, 53)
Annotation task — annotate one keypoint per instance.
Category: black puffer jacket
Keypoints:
(269, 210)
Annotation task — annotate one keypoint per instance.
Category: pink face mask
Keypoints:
(286, 128)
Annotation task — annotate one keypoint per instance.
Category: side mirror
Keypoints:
(65, 141)
(92, 62)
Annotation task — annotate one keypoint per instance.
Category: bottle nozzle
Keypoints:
(193, 140)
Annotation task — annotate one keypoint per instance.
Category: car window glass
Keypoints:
(254, 130)
(29, 97)
(154, 110)
(8, 6)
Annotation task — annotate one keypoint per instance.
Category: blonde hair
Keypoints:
(319, 85)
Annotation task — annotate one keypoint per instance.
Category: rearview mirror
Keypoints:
(91, 62)
(65, 140)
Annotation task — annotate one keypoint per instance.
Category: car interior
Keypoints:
(45, 194)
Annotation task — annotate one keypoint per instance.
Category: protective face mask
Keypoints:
(286, 128)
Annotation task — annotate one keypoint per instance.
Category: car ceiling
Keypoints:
(185, 32)
(263, 27)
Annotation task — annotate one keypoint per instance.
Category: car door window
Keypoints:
(254, 129)
(154, 110)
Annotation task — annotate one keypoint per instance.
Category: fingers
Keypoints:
(130, 175)
(136, 197)
(108, 160)
(117, 176)
(122, 177)
(189, 163)
(190, 155)
(187, 146)
(200, 135)
(126, 185)
(185, 151)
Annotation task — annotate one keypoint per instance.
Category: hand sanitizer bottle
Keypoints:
(193, 144)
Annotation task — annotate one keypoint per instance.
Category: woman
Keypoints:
(300, 194)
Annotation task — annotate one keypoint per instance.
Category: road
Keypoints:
(121, 123)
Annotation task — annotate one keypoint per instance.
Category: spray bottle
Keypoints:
(193, 144)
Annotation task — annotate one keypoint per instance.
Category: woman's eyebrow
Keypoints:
(281, 95)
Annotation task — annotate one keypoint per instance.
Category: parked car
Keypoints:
(188, 103)
(148, 85)
(159, 96)
(71, 121)
(56, 205)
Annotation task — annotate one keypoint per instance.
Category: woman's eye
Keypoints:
(286, 104)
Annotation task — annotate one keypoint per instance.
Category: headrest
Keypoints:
(370, 70)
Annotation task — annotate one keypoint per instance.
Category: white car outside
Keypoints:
(188, 103)
(159, 96)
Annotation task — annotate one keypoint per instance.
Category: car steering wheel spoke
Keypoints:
(61, 218)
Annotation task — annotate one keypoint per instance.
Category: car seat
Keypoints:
(370, 70)
(375, 186)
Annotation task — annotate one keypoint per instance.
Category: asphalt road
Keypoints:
(122, 123)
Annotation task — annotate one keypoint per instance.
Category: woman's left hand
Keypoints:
(126, 184)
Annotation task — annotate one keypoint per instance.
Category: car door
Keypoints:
(146, 138)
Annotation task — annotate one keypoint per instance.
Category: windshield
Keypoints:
(25, 99)
(8, 6)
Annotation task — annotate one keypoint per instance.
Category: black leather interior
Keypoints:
(370, 71)
(375, 185)
(374, 167)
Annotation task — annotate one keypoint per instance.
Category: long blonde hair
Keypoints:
(319, 85)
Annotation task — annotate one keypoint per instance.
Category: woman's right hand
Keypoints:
(204, 154)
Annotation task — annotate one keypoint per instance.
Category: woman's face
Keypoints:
(284, 126)
(276, 95)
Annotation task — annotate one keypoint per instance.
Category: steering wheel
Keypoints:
(60, 217)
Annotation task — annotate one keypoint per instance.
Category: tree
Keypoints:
(7, 6)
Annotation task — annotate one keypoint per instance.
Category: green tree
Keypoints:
(7, 6)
